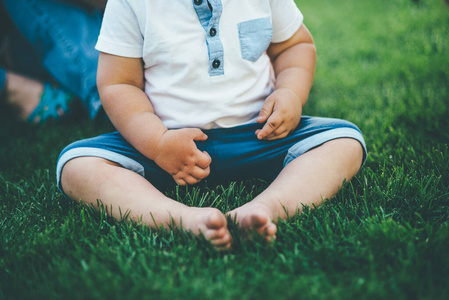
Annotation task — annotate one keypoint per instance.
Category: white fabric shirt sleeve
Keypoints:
(120, 31)
(286, 19)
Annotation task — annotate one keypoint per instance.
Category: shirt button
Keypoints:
(213, 32)
(198, 2)
(216, 64)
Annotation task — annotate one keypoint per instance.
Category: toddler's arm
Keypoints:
(294, 66)
(120, 84)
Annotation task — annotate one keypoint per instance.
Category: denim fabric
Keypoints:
(18, 55)
(236, 152)
(63, 37)
(2, 80)
(255, 37)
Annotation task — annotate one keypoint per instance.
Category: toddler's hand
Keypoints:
(282, 112)
(178, 155)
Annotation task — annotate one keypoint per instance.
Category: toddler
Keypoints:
(210, 90)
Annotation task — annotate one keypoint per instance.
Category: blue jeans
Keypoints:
(62, 38)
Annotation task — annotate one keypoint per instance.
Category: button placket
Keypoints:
(212, 40)
(209, 14)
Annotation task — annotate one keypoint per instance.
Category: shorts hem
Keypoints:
(120, 159)
(320, 138)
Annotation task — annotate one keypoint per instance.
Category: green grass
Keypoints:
(383, 65)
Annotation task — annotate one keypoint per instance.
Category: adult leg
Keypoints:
(62, 35)
(22, 75)
(307, 180)
(18, 91)
(22, 93)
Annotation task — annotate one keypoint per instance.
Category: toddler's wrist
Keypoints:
(159, 144)
(290, 91)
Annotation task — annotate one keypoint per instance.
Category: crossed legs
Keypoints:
(310, 178)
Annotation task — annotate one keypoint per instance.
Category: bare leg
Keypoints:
(91, 178)
(23, 93)
(310, 178)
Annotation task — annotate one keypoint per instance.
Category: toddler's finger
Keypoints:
(276, 136)
(264, 132)
(271, 126)
(265, 111)
(200, 173)
(278, 133)
(191, 180)
(203, 160)
(181, 182)
(185, 179)
(197, 135)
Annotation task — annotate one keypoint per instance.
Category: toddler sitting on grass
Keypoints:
(210, 90)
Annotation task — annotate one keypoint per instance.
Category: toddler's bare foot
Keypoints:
(211, 223)
(23, 93)
(256, 218)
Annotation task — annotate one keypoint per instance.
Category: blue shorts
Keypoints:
(236, 152)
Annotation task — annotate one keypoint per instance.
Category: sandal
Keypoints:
(53, 101)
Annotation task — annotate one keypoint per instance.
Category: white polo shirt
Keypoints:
(205, 63)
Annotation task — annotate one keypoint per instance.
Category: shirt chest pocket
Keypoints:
(255, 37)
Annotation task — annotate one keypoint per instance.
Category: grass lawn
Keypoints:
(383, 65)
